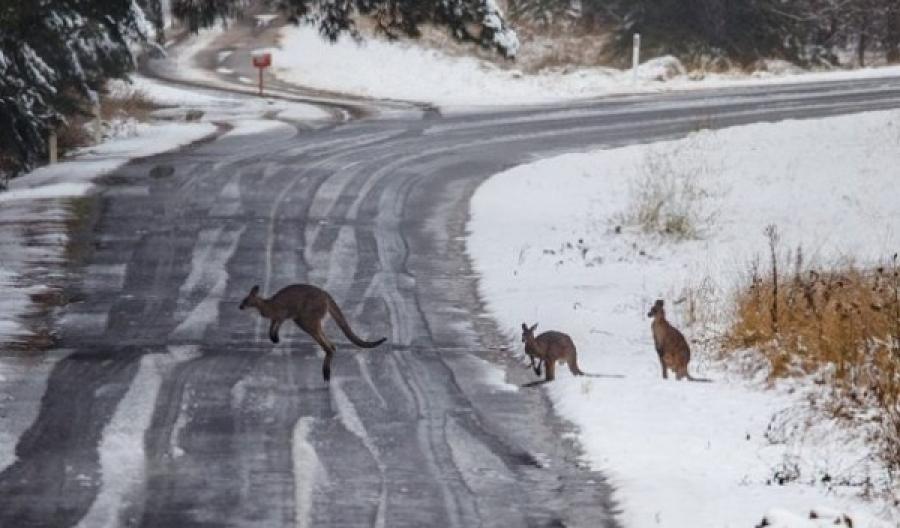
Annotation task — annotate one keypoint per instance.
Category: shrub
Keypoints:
(131, 103)
(841, 324)
(668, 198)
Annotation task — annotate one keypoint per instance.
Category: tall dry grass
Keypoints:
(134, 103)
(841, 324)
(119, 112)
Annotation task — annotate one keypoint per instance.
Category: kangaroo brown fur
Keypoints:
(549, 348)
(671, 346)
(307, 305)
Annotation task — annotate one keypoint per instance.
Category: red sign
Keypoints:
(262, 60)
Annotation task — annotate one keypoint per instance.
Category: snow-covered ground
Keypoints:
(406, 71)
(216, 105)
(543, 239)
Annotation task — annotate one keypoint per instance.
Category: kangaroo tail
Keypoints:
(342, 323)
(704, 380)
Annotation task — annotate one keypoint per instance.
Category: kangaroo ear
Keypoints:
(533, 327)
(524, 327)
(254, 290)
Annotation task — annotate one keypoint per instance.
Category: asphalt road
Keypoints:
(170, 407)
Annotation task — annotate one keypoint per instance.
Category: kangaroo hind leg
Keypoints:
(315, 331)
(273, 330)
(550, 369)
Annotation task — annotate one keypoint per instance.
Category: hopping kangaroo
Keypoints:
(671, 346)
(549, 348)
(307, 305)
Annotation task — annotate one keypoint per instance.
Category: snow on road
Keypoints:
(406, 71)
(122, 454)
(34, 214)
(40, 196)
(308, 471)
(544, 241)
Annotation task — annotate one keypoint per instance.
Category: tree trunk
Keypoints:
(861, 49)
(892, 37)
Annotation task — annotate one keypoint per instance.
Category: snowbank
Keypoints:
(689, 454)
(407, 71)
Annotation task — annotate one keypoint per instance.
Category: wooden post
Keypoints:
(52, 148)
(260, 81)
(98, 124)
(261, 61)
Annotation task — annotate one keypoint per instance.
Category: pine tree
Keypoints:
(744, 30)
(54, 56)
(478, 21)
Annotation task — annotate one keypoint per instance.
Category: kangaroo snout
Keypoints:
(656, 308)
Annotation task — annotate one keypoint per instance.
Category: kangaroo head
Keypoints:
(657, 309)
(528, 333)
(252, 298)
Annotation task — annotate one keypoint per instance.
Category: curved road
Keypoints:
(172, 409)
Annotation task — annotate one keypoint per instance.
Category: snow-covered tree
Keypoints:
(54, 57)
(739, 29)
(546, 13)
(478, 21)
(807, 31)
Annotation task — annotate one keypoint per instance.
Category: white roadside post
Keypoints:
(52, 147)
(635, 58)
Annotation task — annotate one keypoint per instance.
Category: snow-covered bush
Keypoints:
(840, 324)
(499, 33)
(661, 69)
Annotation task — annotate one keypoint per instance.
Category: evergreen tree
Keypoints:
(545, 13)
(740, 29)
(470, 20)
(54, 56)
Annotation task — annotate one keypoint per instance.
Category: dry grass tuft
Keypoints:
(134, 104)
(812, 318)
(841, 324)
(671, 197)
(74, 133)
(119, 111)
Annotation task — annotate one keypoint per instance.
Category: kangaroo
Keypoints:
(549, 348)
(307, 305)
(671, 346)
